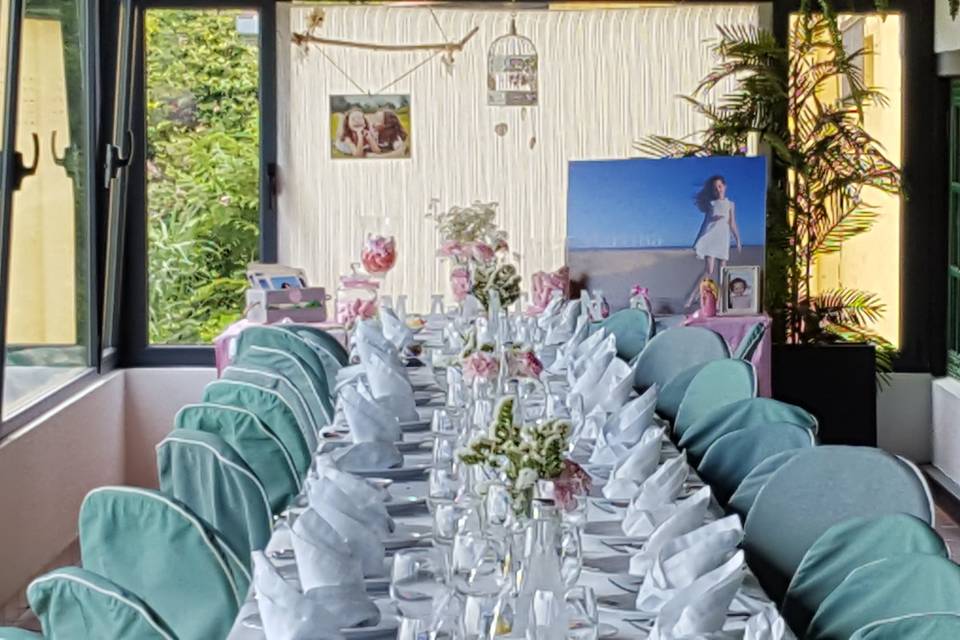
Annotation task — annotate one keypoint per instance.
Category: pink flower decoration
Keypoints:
(482, 252)
(501, 246)
(480, 365)
(525, 364)
(460, 283)
(544, 284)
(379, 254)
(349, 311)
(453, 249)
(573, 481)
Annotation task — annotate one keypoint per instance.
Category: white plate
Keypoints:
(606, 528)
(407, 535)
(385, 629)
(406, 472)
(415, 425)
(405, 496)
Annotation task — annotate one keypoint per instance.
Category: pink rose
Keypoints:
(482, 252)
(460, 283)
(349, 311)
(573, 481)
(544, 284)
(452, 249)
(480, 365)
(379, 254)
(525, 364)
(501, 246)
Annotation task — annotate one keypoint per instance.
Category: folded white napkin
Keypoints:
(365, 541)
(287, 614)
(394, 329)
(329, 572)
(600, 357)
(364, 456)
(562, 329)
(656, 500)
(685, 559)
(391, 388)
(767, 624)
(701, 608)
(638, 411)
(358, 506)
(688, 516)
(630, 471)
(552, 310)
(363, 495)
(368, 421)
(570, 353)
(614, 387)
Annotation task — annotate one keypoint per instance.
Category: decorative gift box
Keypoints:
(299, 305)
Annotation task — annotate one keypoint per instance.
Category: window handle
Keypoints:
(21, 170)
(69, 158)
(117, 158)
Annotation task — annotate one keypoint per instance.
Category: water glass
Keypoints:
(583, 619)
(481, 619)
(416, 579)
(498, 507)
(571, 555)
(444, 450)
(478, 563)
(447, 421)
(386, 301)
(547, 617)
(443, 483)
(447, 514)
(436, 304)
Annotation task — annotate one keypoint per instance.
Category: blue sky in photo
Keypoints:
(649, 203)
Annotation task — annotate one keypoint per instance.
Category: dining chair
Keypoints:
(734, 455)
(288, 391)
(846, 546)
(718, 383)
(670, 397)
(73, 603)
(750, 342)
(275, 337)
(154, 546)
(818, 488)
(205, 473)
(633, 328)
(288, 364)
(892, 587)
(272, 410)
(256, 445)
(743, 498)
(674, 350)
(16, 633)
(698, 437)
(319, 338)
(929, 626)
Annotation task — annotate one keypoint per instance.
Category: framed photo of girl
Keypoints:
(740, 291)
(370, 127)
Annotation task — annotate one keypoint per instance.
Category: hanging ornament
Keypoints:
(500, 129)
(512, 70)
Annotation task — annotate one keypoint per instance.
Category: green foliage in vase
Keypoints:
(826, 162)
(502, 278)
(202, 172)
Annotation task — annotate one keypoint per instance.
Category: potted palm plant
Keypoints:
(825, 166)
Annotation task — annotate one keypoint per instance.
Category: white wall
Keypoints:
(105, 435)
(607, 78)
(946, 30)
(904, 417)
(946, 427)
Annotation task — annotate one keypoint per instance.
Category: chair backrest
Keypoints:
(75, 603)
(698, 437)
(318, 399)
(154, 546)
(333, 346)
(671, 351)
(929, 626)
(846, 546)
(746, 494)
(733, 456)
(633, 328)
(672, 393)
(818, 488)
(257, 445)
(205, 473)
(16, 633)
(750, 342)
(719, 383)
(891, 587)
(275, 337)
(272, 410)
(269, 379)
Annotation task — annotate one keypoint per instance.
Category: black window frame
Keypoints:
(134, 348)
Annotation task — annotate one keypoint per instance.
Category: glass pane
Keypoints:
(48, 319)
(202, 169)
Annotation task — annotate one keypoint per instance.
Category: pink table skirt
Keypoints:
(223, 343)
(733, 329)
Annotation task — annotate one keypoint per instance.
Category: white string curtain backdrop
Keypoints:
(607, 78)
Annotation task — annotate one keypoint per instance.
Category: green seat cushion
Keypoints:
(928, 626)
(633, 328)
(743, 498)
(15, 633)
(719, 383)
(289, 365)
(73, 603)
(275, 337)
(279, 383)
(674, 350)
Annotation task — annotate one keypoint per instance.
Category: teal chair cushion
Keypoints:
(892, 587)
(154, 546)
(204, 472)
(275, 337)
(320, 337)
(671, 395)
(270, 407)
(73, 603)
(743, 498)
(257, 445)
(15, 633)
(928, 626)
(279, 383)
(632, 328)
(733, 456)
(719, 383)
(817, 489)
(846, 546)
(698, 437)
(284, 363)
(674, 350)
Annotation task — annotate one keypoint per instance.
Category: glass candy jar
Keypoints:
(356, 297)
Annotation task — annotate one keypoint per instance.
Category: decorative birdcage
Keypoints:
(512, 70)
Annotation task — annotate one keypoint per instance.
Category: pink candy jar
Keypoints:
(356, 297)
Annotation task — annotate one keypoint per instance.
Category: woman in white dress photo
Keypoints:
(719, 227)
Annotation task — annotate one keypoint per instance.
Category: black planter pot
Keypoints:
(836, 383)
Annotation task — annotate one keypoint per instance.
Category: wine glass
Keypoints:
(444, 451)
(478, 563)
(416, 578)
(583, 619)
(547, 617)
(443, 483)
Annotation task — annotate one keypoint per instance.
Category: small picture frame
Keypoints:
(740, 291)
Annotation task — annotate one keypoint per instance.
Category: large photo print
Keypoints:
(374, 126)
(664, 225)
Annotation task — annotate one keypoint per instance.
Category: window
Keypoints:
(202, 92)
(953, 266)
(48, 314)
